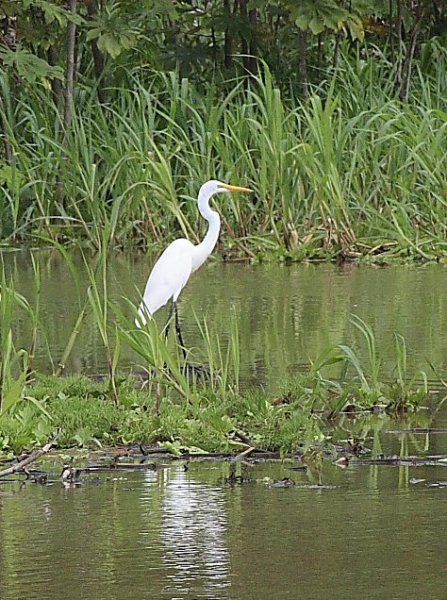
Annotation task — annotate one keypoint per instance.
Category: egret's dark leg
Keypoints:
(178, 330)
(168, 323)
(188, 369)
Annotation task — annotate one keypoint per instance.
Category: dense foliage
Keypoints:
(299, 40)
(111, 115)
(332, 110)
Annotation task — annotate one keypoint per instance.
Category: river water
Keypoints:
(286, 315)
(375, 531)
(179, 534)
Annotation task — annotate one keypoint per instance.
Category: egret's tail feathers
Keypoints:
(143, 315)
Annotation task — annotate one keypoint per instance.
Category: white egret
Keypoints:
(181, 258)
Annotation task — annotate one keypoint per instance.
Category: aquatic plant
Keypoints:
(16, 364)
(13, 362)
(223, 365)
(197, 401)
(359, 384)
(16, 404)
(171, 407)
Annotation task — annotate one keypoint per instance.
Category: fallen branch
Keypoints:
(244, 454)
(19, 466)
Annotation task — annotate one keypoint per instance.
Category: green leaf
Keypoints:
(14, 393)
(113, 44)
(52, 12)
(39, 405)
(354, 26)
(317, 16)
(28, 66)
(93, 33)
(316, 25)
(11, 177)
(178, 449)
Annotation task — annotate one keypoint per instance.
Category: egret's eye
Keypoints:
(172, 270)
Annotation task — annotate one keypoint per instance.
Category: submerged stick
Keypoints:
(29, 459)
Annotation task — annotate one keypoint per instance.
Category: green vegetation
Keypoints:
(87, 416)
(111, 116)
(339, 126)
(183, 409)
(328, 178)
(199, 403)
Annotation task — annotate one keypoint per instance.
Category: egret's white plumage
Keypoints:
(172, 270)
(168, 276)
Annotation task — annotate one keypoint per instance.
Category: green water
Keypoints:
(186, 535)
(286, 315)
(176, 534)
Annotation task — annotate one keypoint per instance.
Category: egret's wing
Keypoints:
(168, 276)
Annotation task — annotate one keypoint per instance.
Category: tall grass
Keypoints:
(223, 365)
(185, 410)
(16, 362)
(351, 170)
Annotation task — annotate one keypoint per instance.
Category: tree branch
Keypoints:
(29, 459)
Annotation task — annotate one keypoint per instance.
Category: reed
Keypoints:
(351, 170)
(222, 364)
(190, 414)
(340, 380)
(16, 363)
(13, 361)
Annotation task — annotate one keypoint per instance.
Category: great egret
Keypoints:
(172, 270)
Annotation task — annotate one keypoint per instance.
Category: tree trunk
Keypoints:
(391, 30)
(244, 43)
(248, 41)
(9, 38)
(5, 133)
(228, 39)
(99, 62)
(98, 58)
(302, 46)
(69, 91)
(214, 47)
(336, 51)
(253, 17)
(56, 85)
(398, 26)
(69, 76)
(320, 54)
(404, 86)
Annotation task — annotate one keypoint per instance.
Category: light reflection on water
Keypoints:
(183, 535)
(176, 534)
(194, 528)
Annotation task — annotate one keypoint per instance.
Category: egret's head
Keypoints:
(213, 186)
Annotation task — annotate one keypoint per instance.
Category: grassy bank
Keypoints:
(179, 404)
(351, 171)
(183, 415)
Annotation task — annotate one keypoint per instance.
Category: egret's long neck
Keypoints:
(206, 246)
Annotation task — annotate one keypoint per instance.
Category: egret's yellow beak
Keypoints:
(234, 188)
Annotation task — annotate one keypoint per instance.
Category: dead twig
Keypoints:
(244, 454)
(19, 466)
